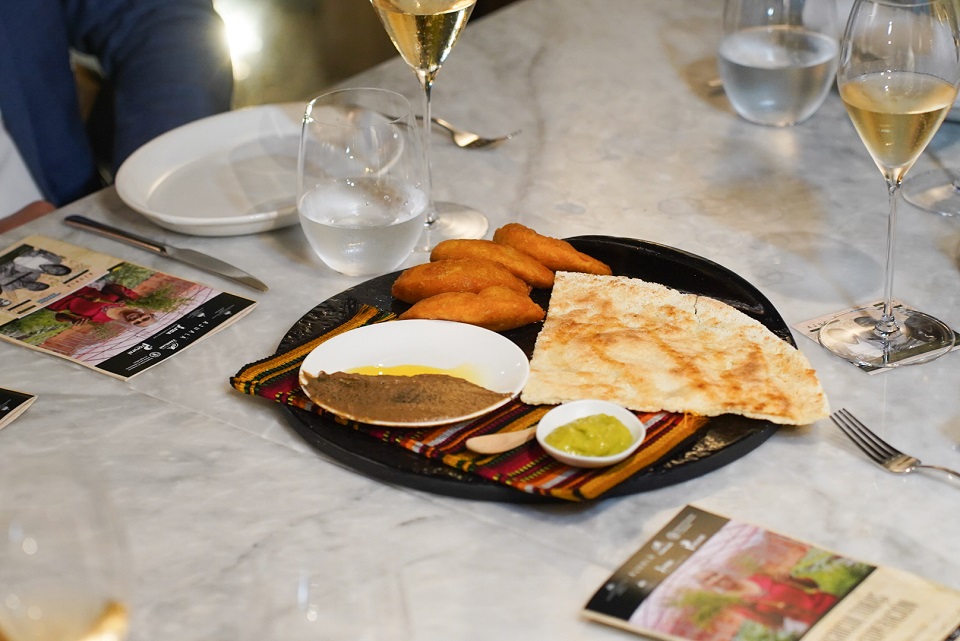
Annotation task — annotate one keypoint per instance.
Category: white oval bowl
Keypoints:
(567, 412)
(499, 364)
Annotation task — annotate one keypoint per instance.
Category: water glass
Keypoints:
(361, 180)
(778, 58)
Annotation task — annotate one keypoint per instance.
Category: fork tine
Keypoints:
(881, 445)
(889, 457)
(481, 142)
(841, 421)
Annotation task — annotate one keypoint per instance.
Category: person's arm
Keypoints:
(32, 211)
(166, 60)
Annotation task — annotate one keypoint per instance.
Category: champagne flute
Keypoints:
(424, 32)
(936, 191)
(63, 562)
(898, 77)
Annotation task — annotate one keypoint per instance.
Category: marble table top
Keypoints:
(620, 135)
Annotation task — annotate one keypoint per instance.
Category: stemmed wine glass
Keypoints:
(424, 32)
(898, 77)
(64, 572)
(936, 191)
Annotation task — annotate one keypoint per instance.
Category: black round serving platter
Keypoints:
(722, 440)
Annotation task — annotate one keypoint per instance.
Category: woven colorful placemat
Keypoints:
(527, 468)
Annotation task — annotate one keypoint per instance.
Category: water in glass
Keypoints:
(362, 192)
(777, 60)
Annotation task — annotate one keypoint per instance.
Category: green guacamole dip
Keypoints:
(596, 435)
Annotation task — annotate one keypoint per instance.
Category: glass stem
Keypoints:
(426, 81)
(888, 325)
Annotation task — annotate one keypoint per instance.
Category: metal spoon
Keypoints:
(500, 442)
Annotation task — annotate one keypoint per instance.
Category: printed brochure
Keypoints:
(704, 577)
(116, 317)
(13, 404)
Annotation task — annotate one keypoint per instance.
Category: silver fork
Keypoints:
(881, 452)
(467, 139)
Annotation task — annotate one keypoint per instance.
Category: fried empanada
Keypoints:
(494, 308)
(522, 265)
(459, 275)
(556, 254)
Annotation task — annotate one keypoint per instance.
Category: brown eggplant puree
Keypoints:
(403, 399)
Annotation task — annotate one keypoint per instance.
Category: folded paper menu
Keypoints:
(707, 577)
(13, 404)
(116, 317)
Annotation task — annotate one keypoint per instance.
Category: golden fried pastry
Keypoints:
(459, 275)
(523, 266)
(495, 308)
(557, 254)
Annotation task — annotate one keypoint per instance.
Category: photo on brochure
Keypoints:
(114, 316)
(30, 276)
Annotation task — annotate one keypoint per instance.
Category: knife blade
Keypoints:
(182, 254)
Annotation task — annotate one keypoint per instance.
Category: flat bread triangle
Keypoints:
(652, 348)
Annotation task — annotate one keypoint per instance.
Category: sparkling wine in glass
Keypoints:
(64, 568)
(898, 77)
(424, 32)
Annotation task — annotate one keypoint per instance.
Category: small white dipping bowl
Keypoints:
(567, 412)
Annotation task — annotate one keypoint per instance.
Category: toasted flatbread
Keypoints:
(652, 348)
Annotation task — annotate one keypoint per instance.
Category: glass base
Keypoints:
(936, 191)
(452, 222)
(917, 338)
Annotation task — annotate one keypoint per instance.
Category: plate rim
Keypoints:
(235, 118)
(474, 330)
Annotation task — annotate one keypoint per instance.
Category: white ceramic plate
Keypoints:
(230, 174)
(494, 361)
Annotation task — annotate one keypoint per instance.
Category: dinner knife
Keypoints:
(188, 256)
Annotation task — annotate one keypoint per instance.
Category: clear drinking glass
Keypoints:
(361, 180)
(778, 58)
(64, 566)
(936, 191)
(898, 77)
(424, 32)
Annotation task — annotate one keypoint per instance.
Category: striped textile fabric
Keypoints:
(527, 468)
